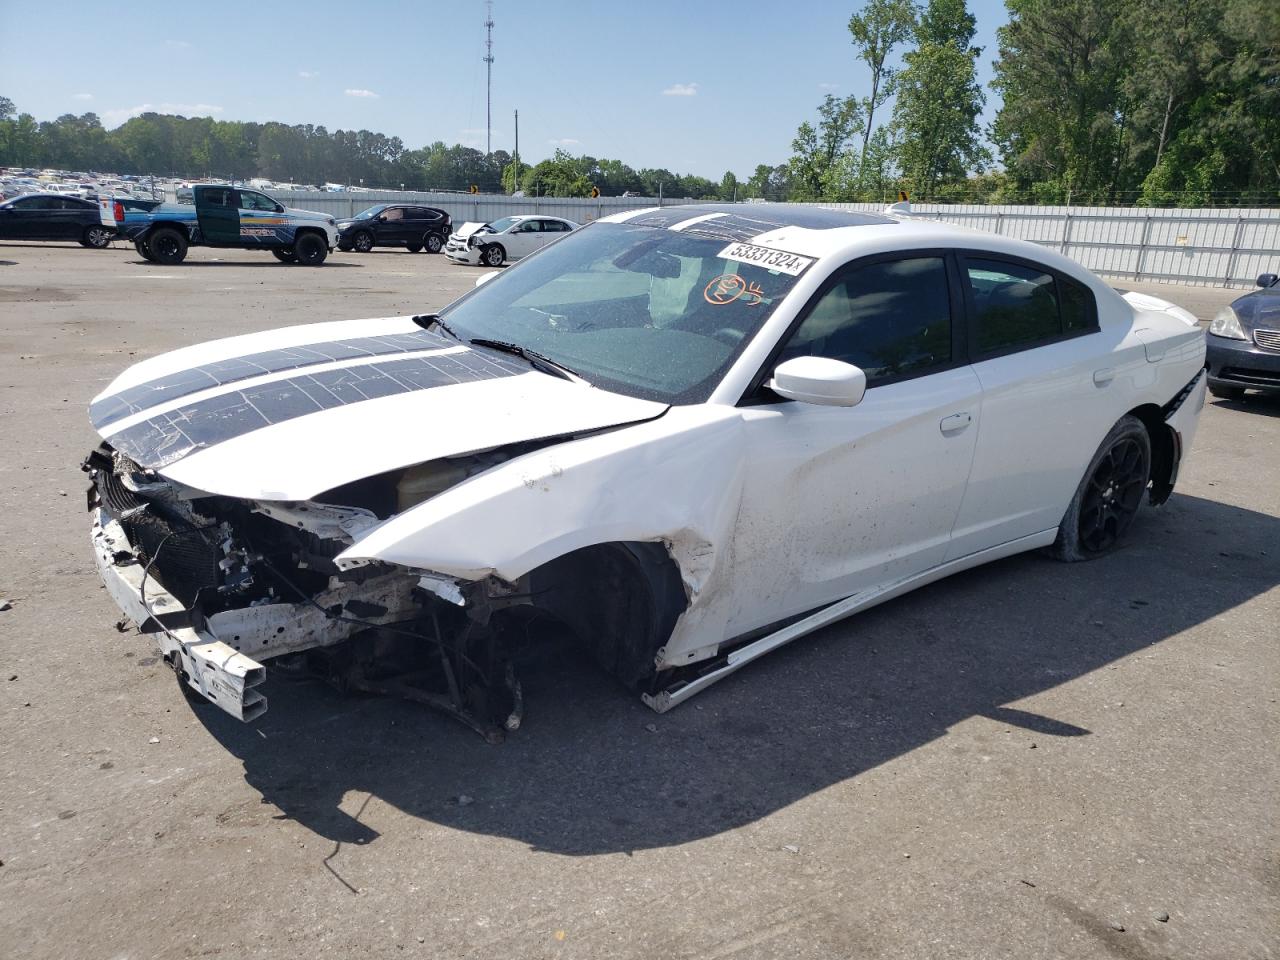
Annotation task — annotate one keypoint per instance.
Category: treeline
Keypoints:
(1153, 102)
(167, 145)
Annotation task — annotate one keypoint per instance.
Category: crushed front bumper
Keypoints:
(462, 252)
(211, 668)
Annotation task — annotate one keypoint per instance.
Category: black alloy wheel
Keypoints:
(1110, 495)
(1113, 495)
(310, 249)
(362, 241)
(168, 246)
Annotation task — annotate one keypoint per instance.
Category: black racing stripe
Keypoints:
(223, 372)
(170, 436)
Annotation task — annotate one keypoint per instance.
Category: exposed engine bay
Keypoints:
(227, 583)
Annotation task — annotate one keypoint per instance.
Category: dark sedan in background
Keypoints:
(1244, 343)
(48, 216)
(395, 225)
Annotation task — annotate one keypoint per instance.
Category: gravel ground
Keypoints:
(1027, 760)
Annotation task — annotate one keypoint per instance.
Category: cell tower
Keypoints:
(488, 70)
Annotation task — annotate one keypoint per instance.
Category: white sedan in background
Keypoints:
(504, 240)
(686, 435)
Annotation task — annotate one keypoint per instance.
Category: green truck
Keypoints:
(223, 216)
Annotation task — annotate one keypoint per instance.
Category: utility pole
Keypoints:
(488, 70)
(516, 159)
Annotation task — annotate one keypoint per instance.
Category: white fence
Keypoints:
(1218, 246)
(1223, 247)
(462, 207)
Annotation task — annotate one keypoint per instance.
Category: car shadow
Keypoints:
(593, 771)
(269, 262)
(1263, 404)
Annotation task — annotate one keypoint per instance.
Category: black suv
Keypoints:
(395, 225)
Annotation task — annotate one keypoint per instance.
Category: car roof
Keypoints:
(821, 233)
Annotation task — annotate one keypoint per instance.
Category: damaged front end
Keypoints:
(226, 584)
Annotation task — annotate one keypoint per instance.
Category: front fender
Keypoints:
(676, 479)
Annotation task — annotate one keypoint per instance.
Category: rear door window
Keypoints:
(1017, 306)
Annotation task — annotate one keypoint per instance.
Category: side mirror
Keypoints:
(279, 208)
(1267, 280)
(820, 380)
(486, 277)
(379, 219)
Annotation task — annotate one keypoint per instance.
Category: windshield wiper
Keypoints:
(427, 320)
(539, 361)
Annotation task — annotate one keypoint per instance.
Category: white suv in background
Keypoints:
(509, 238)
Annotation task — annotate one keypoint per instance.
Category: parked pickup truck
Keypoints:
(222, 216)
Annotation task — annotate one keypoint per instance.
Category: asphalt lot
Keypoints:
(1016, 762)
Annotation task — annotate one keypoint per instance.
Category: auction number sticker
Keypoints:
(779, 261)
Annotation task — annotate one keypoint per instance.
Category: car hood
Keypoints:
(1259, 309)
(307, 214)
(288, 414)
(466, 230)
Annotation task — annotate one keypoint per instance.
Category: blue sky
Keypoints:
(697, 87)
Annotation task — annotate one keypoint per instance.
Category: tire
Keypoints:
(493, 255)
(143, 250)
(97, 237)
(1223, 392)
(362, 242)
(310, 249)
(1109, 496)
(168, 246)
(413, 247)
(285, 255)
(433, 242)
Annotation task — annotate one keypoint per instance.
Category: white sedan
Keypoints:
(686, 436)
(510, 238)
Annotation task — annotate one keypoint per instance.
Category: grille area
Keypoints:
(1267, 339)
(1260, 378)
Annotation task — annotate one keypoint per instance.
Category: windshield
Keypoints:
(642, 311)
(499, 225)
(371, 212)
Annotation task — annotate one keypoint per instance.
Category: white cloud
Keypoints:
(361, 93)
(828, 86)
(681, 90)
(564, 142)
(82, 96)
(308, 74)
(113, 118)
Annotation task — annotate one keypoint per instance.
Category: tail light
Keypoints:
(117, 211)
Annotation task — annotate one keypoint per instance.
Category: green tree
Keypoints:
(938, 100)
(1061, 71)
(816, 150)
(881, 26)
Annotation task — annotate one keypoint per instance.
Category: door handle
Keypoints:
(954, 423)
(1104, 376)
